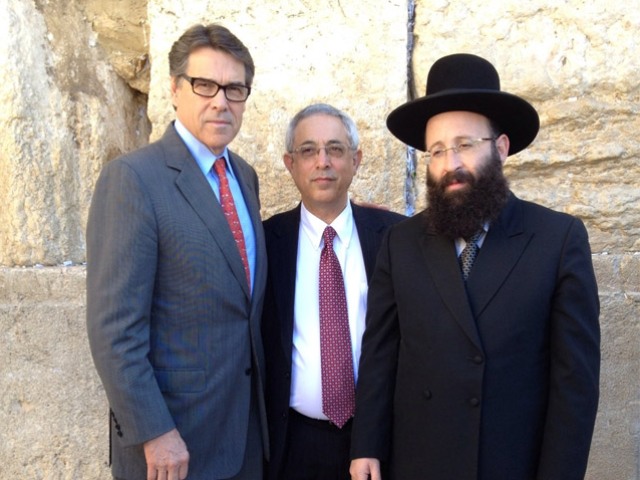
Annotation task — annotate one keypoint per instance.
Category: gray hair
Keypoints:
(322, 109)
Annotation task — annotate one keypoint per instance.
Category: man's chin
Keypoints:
(457, 193)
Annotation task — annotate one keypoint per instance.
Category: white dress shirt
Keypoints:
(461, 242)
(306, 376)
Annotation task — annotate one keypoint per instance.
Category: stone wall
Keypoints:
(86, 80)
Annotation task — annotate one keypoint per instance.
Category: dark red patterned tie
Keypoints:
(229, 209)
(338, 382)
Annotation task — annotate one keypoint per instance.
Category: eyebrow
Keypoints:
(457, 139)
(238, 83)
(329, 142)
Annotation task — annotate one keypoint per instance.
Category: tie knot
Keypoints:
(219, 166)
(475, 237)
(329, 234)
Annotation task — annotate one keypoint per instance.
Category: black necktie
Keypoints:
(469, 254)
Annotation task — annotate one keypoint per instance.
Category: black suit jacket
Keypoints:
(499, 382)
(281, 235)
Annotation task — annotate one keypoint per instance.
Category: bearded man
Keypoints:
(481, 356)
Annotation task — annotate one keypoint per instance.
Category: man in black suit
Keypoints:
(485, 369)
(308, 440)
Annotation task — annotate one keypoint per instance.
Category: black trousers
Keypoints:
(316, 449)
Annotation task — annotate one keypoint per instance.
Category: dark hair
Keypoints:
(211, 36)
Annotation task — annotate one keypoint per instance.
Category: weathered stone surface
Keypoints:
(64, 113)
(52, 406)
(572, 62)
(71, 71)
(123, 33)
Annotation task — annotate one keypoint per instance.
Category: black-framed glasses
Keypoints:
(333, 150)
(208, 88)
(463, 146)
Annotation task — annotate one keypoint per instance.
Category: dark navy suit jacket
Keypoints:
(281, 234)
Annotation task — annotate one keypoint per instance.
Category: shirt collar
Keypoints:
(201, 153)
(313, 227)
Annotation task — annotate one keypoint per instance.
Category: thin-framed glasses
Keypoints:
(208, 88)
(336, 150)
(463, 146)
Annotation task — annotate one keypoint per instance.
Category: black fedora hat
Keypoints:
(468, 83)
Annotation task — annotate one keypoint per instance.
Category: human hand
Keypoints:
(365, 469)
(167, 457)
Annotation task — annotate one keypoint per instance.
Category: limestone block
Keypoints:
(52, 405)
(123, 33)
(570, 60)
(617, 429)
(305, 52)
(65, 112)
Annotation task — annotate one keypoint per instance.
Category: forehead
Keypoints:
(215, 64)
(320, 128)
(456, 124)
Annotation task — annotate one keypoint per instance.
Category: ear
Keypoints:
(287, 158)
(502, 144)
(357, 160)
(174, 91)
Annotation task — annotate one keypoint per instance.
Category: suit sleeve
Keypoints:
(575, 363)
(371, 435)
(121, 262)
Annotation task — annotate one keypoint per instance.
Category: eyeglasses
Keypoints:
(209, 89)
(462, 147)
(333, 150)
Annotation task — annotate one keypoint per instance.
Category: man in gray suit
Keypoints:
(176, 271)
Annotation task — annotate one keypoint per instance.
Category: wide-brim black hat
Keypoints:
(468, 83)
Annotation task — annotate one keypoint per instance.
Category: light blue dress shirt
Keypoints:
(205, 159)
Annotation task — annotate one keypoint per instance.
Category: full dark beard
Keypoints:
(462, 213)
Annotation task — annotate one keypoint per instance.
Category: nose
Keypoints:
(218, 101)
(322, 160)
(451, 160)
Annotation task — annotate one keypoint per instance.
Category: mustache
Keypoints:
(457, 176)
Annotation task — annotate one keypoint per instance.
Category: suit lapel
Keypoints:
(503, 246)
(252, 200)
(284, 258)
(197, 191)
(442, 263)
(369, 234)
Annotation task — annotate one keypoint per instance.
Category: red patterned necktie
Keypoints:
(230, 213)
(338, 382)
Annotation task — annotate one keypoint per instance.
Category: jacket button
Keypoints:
(284, 415)
(427, 394)
(247, 371)
(474, 402)
(478, 359)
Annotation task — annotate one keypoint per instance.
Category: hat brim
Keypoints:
(516, 117)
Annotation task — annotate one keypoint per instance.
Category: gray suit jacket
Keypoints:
(173, 328)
